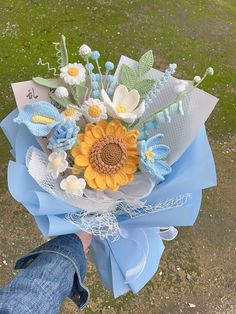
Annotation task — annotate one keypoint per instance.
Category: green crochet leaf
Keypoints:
(144, 86)
(47, 83)
(127, 76)
(145, 63)
(64, 102)
(77, 92)
(63, 50)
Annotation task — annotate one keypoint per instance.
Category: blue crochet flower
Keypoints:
(151, 158)
(40, 118)
(64, 136)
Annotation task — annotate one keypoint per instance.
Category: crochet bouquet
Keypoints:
(122, 156)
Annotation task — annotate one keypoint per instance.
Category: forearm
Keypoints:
(40, 288)
(52, 272)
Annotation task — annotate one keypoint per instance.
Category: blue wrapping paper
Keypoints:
(141, 239)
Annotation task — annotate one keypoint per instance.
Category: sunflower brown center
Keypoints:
(108, 155)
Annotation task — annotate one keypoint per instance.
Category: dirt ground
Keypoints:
(197, 270)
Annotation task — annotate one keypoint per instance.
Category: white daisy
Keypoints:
(57, 163)
(70, 114)
(73, 185)
(73, 74)
(124, 105)
(94, 110)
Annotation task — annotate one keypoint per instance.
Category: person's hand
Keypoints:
(85, 238)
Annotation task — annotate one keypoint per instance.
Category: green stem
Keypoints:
(75, 169)
(90, 90)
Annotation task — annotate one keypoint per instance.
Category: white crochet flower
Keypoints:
(57, 163)
(73, 185)
(73, 74)
(94, 110)
(61, 92)
(85, 51)
(71, 114)
(124, 105)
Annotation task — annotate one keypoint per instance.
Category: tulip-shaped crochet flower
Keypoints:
(124, 105)
(151, 158)
(64, 136)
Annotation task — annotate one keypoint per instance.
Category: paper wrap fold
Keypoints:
(130, 262)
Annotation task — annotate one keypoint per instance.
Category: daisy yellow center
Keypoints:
(94, 111)
(121, 109)
(69, 112)
(149, 154)
(73, 71)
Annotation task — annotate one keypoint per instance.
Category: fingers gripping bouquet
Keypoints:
(122, 156)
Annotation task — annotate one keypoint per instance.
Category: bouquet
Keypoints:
(120, 154)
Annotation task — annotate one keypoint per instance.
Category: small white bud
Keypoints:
(197, 79)
(61, 92)
(85, 51)
(210, 71)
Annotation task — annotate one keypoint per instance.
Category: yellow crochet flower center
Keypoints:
(69, 112)
(94, 111)
(149, 154)
(73, 71)
(121, 109)
(107, 153)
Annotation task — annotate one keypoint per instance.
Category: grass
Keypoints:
(193, 34)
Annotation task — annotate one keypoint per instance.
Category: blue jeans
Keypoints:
(52, 272)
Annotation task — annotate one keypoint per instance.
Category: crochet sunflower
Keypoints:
(107, 153)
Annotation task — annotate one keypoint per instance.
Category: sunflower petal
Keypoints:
(81, 160)
(89, 173)
(75, 151)
(97, 132)
(100, 181)
(121, 131)
(92, 184)
(130, 168)
(121, 178)
(84, 148)
(110, 182)
(102, 124)
(89, 127)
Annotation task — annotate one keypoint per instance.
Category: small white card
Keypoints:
(29, 92)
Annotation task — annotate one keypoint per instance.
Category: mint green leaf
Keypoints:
(64, 102)
(127, 76)
(145, 63)
(77, 92)
(47, 83)
(144, 86)
(63, 50)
